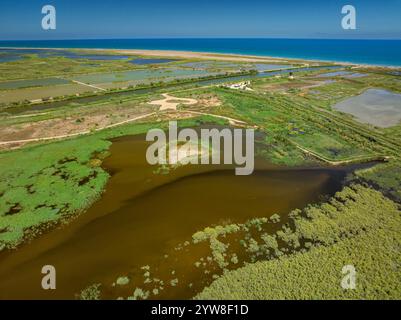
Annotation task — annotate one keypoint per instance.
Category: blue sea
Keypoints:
(376, 52)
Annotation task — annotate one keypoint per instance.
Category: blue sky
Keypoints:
(86, 19)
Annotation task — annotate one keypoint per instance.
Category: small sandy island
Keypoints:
(171, 103)
(199, 55)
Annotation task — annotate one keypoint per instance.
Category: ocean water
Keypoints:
(376, 52)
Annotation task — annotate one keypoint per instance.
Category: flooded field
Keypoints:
(345, 74)
(83, 100)
(267, 67)
(378, 107)
(145, 215)
(141, 76)
(18, 84)
(205, 65)
(145, 61)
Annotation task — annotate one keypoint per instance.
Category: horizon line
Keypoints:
(204, 38)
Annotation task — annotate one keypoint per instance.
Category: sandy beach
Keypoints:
(212, 56)
(199, 55)
(231, 57)
(183, 55)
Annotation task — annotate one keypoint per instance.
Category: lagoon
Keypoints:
(345, 74)
(378, 107)
(144, 214)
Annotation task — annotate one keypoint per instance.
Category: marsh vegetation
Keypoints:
(326, 191)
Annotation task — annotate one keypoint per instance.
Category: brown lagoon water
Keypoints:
(142, 217)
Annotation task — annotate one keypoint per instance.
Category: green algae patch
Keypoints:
(387, 177)
(46, 184)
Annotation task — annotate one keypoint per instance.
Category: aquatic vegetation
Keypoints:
(91, 292)
(323, 224)
(139, 294)
(317, 273)
(45, 191)
(386, 176)
(253, 246)
(122, 281)
(218, 250)
(163, 169)
(214, 232)
(62, 179)
(275, 218)
(48, 184)
(289, 237)
(270, 242)
(174, 282)
(234, 259)
(358, 226)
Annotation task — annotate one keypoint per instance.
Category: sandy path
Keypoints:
(171, 103)
(231, 120)
(198, 55)
(28, 115)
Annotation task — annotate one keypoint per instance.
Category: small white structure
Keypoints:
(240, 86)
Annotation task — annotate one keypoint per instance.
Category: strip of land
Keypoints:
(298, 127)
